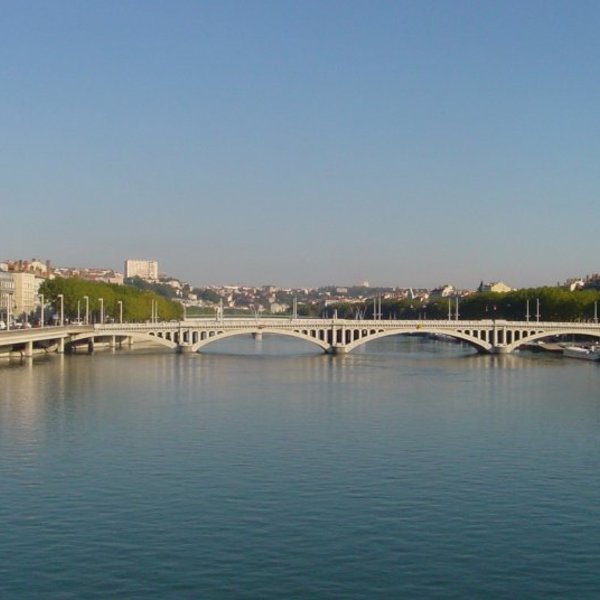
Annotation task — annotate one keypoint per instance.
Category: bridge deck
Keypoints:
(335, 335)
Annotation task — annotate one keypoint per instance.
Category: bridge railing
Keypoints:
(245, 323)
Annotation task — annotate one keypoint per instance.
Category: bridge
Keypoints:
(334, 336)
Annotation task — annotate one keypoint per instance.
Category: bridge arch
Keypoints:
(478, 344)
(546, 334)
(142, 336)
(222, 335)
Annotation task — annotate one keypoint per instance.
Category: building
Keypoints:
(144, 269)
(443, 291)
(497, 287)
(7, 295)
(26, 293)
(35, 266)
(576, 283)
(277, 308)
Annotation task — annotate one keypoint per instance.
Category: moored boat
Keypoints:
(591, 353)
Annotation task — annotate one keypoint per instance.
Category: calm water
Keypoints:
(410, 469)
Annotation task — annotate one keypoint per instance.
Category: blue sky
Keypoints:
(304, 142)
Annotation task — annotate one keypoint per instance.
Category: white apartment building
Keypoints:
(26, 292)
(7, 293)
(443, 291)
(498, 287)
(144, 269)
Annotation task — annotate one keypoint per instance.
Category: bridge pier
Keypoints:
(500, 350)
(337, 350)
(257, 335)
(28, 349)
(60, 348)
(185, 349)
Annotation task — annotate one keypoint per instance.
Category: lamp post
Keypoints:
(78, 312)
(493, 310)
(527, 315)
(101, 300)
(62, 309)
(537, 312)
(8, 307)
(41, 310)
(120, 303)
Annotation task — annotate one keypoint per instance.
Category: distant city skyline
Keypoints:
(149, 269)
(304, 144)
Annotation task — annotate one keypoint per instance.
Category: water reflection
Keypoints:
(60, 392)
(269, 457)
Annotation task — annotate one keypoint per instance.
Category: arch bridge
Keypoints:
(334, 336)
(339, 336)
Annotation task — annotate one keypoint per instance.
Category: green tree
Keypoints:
(137, 304)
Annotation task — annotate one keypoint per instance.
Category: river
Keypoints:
(261, 469)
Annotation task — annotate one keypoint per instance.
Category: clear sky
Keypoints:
(301, 142)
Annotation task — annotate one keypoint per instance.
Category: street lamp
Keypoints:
(537, 313)
(8, 307)
(41, 310)
(154, 317)
(87, 309)
(120, 303)
(62, 309)
(101, 300)
(493, 311)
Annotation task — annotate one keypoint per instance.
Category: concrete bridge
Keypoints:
(334, 336)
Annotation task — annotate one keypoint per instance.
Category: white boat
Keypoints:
(591, 353)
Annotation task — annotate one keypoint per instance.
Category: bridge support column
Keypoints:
(28, 349)
(91, 346)
(112, 342)
(257, 335)
(500, 350)
(185, 349)
(339, 350)
(130, 341)
(60, 348)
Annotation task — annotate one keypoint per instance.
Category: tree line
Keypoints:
(555, 304)
(137, 303)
